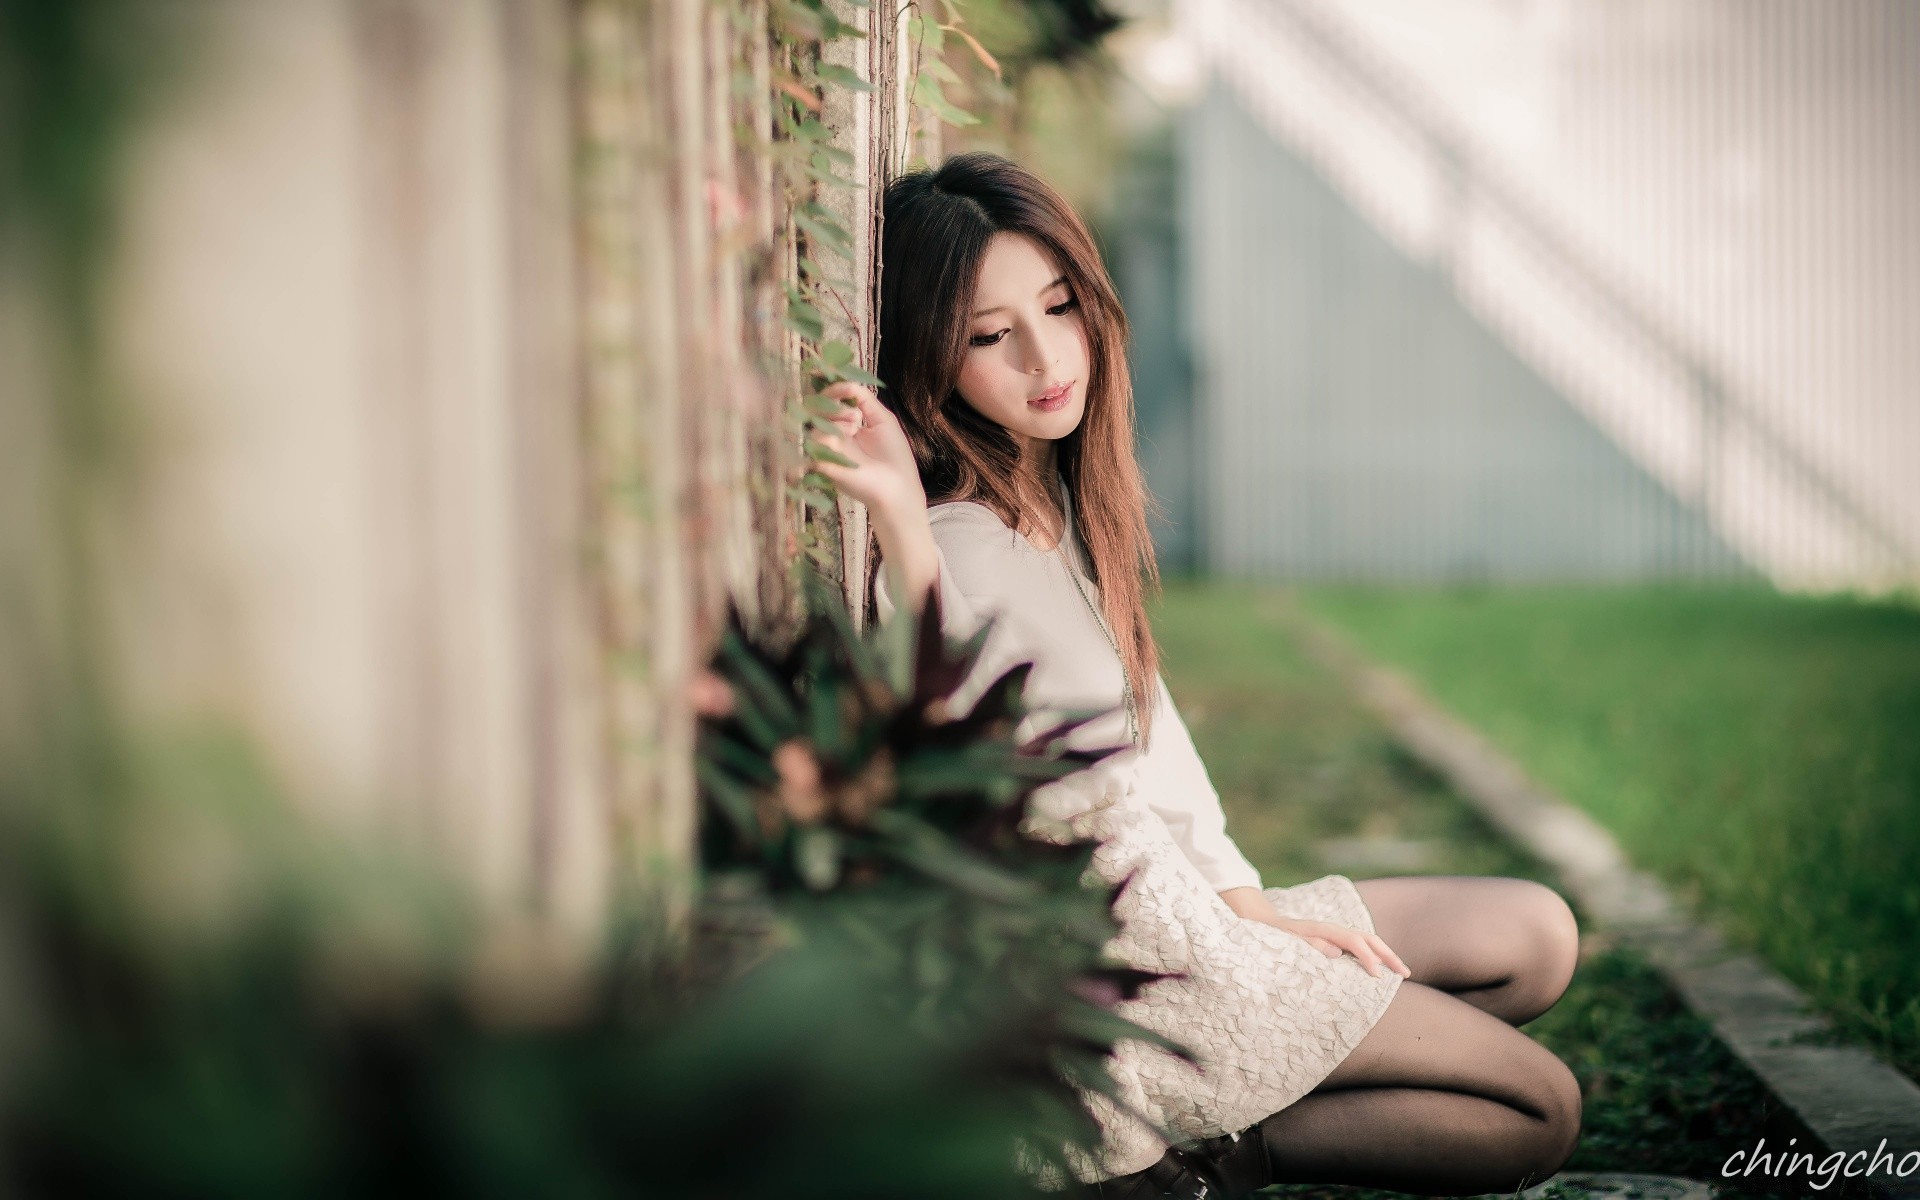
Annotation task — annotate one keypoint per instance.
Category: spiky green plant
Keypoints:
(871, 808)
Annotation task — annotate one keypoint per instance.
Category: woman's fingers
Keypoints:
(853, 418)
(1366, 947)
(1357, 945)
(859, 399)
(1334, 940)
(1387, 955)
(842, 439)
(1374, 952)
(868, 412)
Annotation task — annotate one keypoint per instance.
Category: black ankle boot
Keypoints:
(1218, 1168)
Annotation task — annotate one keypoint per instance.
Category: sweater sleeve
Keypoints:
(1014, 639)
(1181, 794)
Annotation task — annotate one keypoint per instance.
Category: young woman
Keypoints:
(1358, 1032)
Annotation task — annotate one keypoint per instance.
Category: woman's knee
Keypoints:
(1552, 943)
(1561, 1115)
(1550, 1132)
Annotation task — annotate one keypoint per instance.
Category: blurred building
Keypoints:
(1555, 290)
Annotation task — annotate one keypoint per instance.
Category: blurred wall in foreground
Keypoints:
(1560, 289)
(341, 311)
(416, 407)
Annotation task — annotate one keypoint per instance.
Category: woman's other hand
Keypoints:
(884, 476)
(886, 479)
(1330, 939)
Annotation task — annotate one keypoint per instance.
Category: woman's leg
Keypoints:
(1505, 946)
(1439, 1099)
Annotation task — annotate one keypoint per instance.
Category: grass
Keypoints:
(1313, 785)
(1760, 752)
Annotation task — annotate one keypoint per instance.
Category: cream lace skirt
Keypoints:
(1268, 1015)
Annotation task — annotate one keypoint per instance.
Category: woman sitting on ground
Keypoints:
(1349, 1031)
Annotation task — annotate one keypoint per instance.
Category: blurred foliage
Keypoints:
(204, 997)
(70, 76)
(1050, 103)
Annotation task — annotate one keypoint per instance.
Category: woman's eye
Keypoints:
(993, 339)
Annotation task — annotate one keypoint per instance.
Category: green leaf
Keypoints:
(925, 848)
(746, 763)
(848, 372)
(825, 232)
(799, 21)
(925, 34)
(844, 76)
(820, 168)
(746, 670)
(819, 212)
(805, 319)
(835, 29)
(812, 499)
(820, 453)
(938, 68)
(927, 94)
(733, 800)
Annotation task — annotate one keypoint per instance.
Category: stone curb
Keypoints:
(1846, 1097)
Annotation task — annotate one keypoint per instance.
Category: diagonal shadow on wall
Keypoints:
(1358, 422)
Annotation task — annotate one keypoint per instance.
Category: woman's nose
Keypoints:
(1044, 355)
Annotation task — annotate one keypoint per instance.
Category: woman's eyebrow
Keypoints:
(1043, 291)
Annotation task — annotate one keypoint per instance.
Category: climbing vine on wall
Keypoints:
(819, 287)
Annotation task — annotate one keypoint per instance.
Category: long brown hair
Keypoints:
(937, 225)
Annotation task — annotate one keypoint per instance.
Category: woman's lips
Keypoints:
(1054, 399)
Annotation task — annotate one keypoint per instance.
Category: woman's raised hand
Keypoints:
(884, 476)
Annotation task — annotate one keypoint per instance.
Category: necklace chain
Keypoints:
(1126, 685)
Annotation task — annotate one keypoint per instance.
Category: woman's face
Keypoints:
(1026, 359)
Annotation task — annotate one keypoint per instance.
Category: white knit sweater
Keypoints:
(1268, 1015)
(987, 568)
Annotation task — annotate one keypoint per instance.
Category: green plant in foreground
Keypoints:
(906, 1017)
(845, 782)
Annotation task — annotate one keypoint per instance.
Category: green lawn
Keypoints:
(1761, 752)
(1312, 784)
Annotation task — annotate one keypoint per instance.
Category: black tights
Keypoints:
(1444, 1096)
